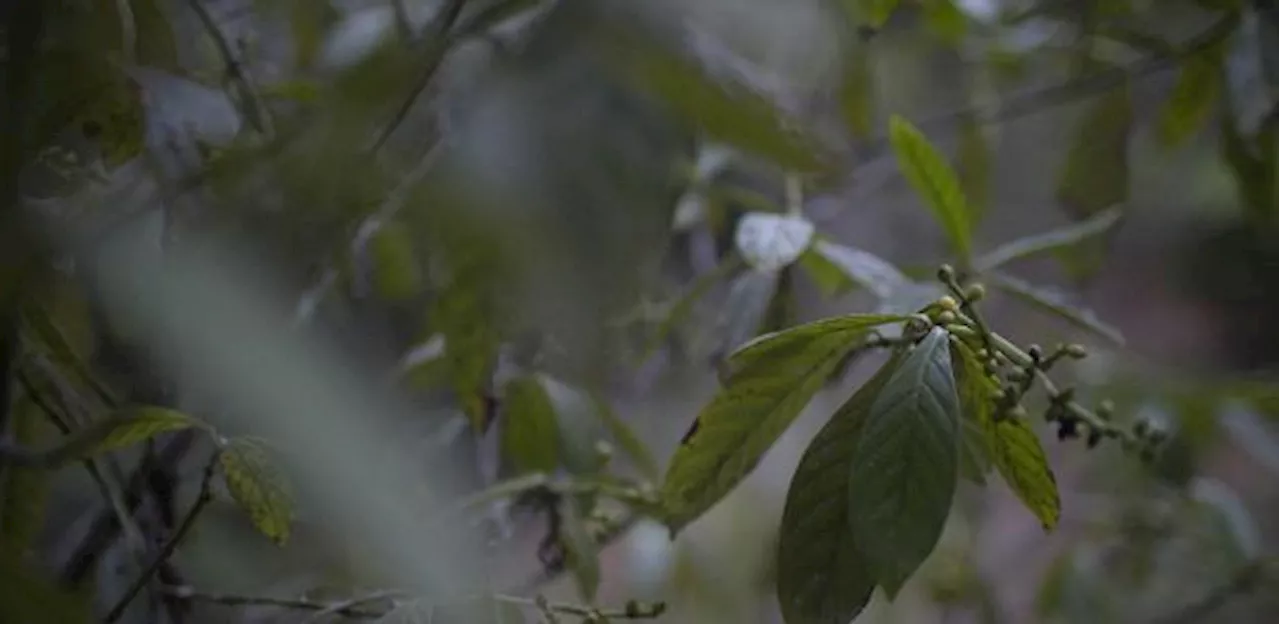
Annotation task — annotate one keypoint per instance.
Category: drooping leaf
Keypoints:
(973, 167)
(1058, 304)
(728, 113)
(863, 268)
(581, 553)
(257, 487)
(1194, 95)
(976, 388)
(903, 474)
(770, 242)
(767, 383)
(822, 578)
(858, 91)
(625, 437)
(133, 425)
(530, 436)
(1095, 175)
(1048, 242)
(1020, 459)
(933, 179)
(396, 275)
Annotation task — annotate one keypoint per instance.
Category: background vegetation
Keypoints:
(395, 310)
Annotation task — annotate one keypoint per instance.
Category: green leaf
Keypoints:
(1052, 241)
(976, 389)
(28, 595)
(1194, 95)
(822, 578)
(156, 46)
(928, 172)
(259, 489)
(1020, 459)
(624, 436)
(1057, 304)
(133, 425)
(870, 13)
(973, 167)
(396, 275)
(865, 269)
(579, 427)
(903, 474)
(1255, 174)
(826, 275)
(768, 382)
(726, 112)
(581, 554)
(530, 437)
(24, 491)
(945, 20)
(1095, 175)
(858, 91)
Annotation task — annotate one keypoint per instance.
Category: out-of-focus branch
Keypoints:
(254, 107)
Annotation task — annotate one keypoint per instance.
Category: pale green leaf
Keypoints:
(1018, 456)
(973, 167)
(257, 487)
(822, 578)
(768, 382)
(1048, 242)
(396, 275)
(1056, 303)
(933, 179)
(903, 474)
(581, 553)
(134, 425)
(530, 437)
(1095, 175)
(865, 269)
(1194, 95)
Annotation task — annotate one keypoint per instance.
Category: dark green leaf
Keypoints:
(903, 474)
(973, 166)
(24, 491)
(1095, 175)
(822, 578)
(1021, 461)
(1194, 95)
(945, 20)
(870, 13)
(1058, 304)
(257, 487)
(26, 595)
(530, 440)
(1052, 241)
(582, 555)
(767, 382)
(154, 35)
(928, 172)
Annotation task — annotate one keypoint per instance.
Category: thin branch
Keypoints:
(202, 499)
(1038, 100)
(255, 109)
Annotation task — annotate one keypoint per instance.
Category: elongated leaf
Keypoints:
(768, 382)
(903, 474)
(928, 172)
(137, 424)
(24, 491)
(858, 91)
(1194, 95)
(822, 577)
(1020, 459)
(827, 275)
(976, 389)
(1058, 304)
(258, 488)
(530, 439)
(1095, 175)
(624, 436)
(866, 269)
(582, 555)
(973, 166)
(1048, 242)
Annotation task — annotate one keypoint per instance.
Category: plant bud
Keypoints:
(948, 303)
(1075, 351)
(946, 273)
(946, 316)
(1035, 352)
(975, 292)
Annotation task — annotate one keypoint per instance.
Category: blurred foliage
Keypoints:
(515, 211)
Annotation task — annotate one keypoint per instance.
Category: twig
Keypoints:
(344, 606)
(202, 499)
(187, 593)
(255, 109)
(437, 45)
